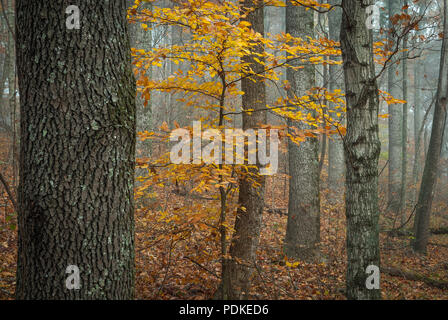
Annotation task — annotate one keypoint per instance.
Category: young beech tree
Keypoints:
(225, 48)
(236, 283)
(362, 149)
(77, 96)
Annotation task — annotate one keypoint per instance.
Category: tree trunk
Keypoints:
(404, 131)
(8, 67)
(362, 148)
(418, 120)
(142, 39)
(323, 141)
(395, 123)
(423, 211)
(303, 227)
(240, 268)
(336, 167)
(77, 151)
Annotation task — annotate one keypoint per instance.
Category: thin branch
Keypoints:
(8, 191)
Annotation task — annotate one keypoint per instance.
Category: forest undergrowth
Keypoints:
(176, 263)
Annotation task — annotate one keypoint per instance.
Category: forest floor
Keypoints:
(185, 265)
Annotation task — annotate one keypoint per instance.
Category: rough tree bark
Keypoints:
(77, 151)
(240, 268)
(362, 149)
(426, 194)
(303, 226)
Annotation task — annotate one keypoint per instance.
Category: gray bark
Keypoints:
(429, 179)
(362, 148)
(141, 39)
(8, 67)
(77, 151)
(404, 131)
(336, 167)
(418, 120)
(395, 125)
(303, 226)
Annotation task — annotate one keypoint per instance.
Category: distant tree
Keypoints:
(426, 195)
(336, 167)
(404, 127)
(395, 120)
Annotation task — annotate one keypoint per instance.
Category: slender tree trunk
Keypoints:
(395, 123)
(426, 138)
(418, 120)
(8, 64)
(142, 39)
(323, 146)
(240, 267)
(404, 143)
(77, 151)
(3, 101)
(336, 166)
(362, 149)
(303, 226)
(426, 195)
(323, 153)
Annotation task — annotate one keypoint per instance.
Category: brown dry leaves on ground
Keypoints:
(184, 263)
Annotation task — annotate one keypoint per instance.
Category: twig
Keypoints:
(8, 191)
(202, 267)
(167, 268)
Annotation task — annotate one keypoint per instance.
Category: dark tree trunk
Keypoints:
(362, 149)
(248, 221)
(426, 195)
(77, 151)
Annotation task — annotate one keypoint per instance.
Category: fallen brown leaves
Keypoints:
(182, 261)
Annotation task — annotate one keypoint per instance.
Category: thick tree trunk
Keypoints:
(395, 123)
(426, 195)
(303, 227)
(362, 148)
(240, 268)
(77, 151)
(336, 167)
